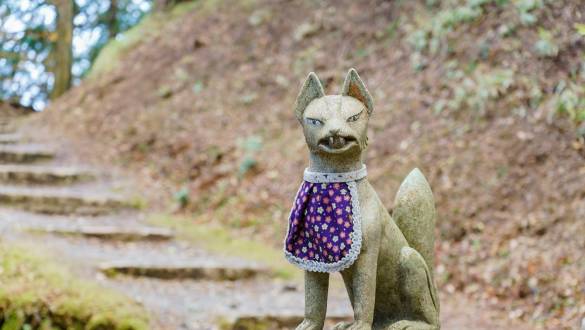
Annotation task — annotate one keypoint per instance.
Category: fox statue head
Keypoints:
(335, 126)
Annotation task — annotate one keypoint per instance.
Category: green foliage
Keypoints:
(250, 146)
(569, 99)
(418, 40)
(545, 46)
(391, 29)
(476, 92)
(448, 19)
(27, 37)
(525, 10)
(431, 35)
(197, 87)
(580, 28)
(182, 197)
(26, 41)
(39, 294)
(110, 55)
(477, 87)
(528, 5)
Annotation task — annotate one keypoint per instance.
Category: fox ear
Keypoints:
(312, 89)
(355, 87)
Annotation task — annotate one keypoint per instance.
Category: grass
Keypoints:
(37, 293)
(219, 240)
(110, 55)
(150, 26)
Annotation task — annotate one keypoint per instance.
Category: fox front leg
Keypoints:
(316, 288)
(360, 281)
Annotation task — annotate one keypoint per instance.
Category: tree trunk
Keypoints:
(162, 5)
(112, 19)
(63, 53)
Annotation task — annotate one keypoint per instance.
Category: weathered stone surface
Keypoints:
(210, 304)
(9, 138)
(414, 213)
(115, 233)
(389, 282)
(184, 270)
(34, 174)
(273, 321)
(24, 153)
(59, 201)
(7, 127)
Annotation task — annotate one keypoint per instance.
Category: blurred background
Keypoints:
(193, 102)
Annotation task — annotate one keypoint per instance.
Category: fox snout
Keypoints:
(334, 140)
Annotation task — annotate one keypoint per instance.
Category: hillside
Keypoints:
(486, 97)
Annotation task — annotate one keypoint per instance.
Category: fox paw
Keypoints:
(309, 325)
(412, 325)
(352, 326)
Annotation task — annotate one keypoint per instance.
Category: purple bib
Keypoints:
(324, 230)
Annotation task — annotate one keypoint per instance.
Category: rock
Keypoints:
(26, 174)
(272, 321)
(9, 138)
(116, 233)
(184, 270)
(26, 153)
(305, 30)
(59, 201)
(7, 127)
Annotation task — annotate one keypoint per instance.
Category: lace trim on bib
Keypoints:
(350, 178)
(325, 177)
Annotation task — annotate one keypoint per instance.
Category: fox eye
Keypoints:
(314, 122)
(354, 118)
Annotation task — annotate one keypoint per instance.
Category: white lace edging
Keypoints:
(356, 238)
(325, 177)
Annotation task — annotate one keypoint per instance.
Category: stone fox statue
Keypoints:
(338, 223)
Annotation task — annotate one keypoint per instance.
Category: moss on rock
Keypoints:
(36, 293)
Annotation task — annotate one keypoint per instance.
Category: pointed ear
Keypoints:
(312, 89)
(355, 87)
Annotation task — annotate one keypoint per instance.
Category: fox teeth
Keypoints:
(336, 141)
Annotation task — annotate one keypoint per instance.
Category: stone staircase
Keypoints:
(89, 222)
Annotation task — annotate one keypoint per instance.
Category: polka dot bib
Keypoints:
(324, 230)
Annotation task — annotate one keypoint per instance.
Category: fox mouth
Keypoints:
(337, 143)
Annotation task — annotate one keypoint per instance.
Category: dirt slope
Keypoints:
(201, 107)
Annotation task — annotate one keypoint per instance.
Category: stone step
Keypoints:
(230, 305)
(51, 200)
(12, 218)
(275, 321)
(7, 128)
(25, 153)
(183, 270)
(105, 232)
(34, 174)
(10, 138)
